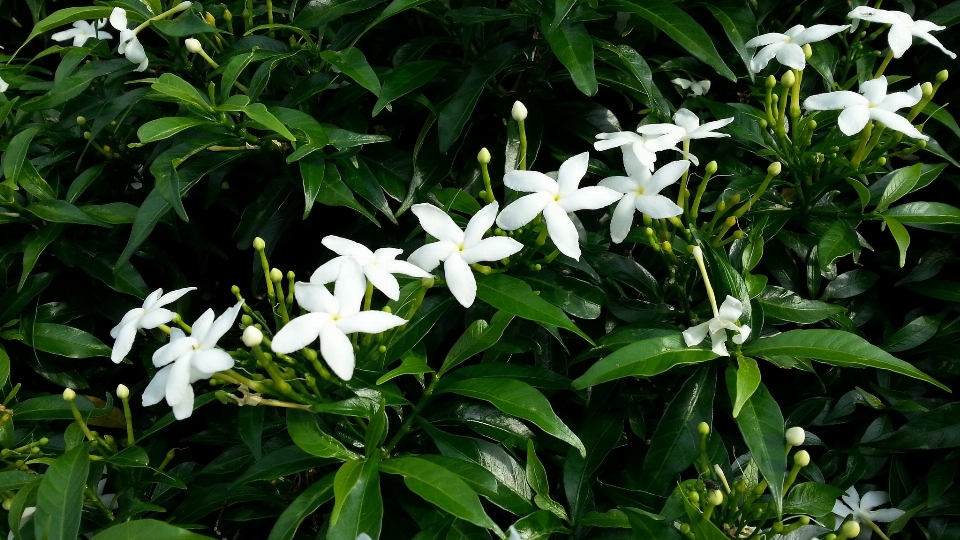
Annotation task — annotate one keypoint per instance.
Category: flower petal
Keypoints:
(491, 249)
(151, 299)
(221, 326)
(743, 333)
(405, 268)
(731, 309)
(202, 325)
(896, 122)
(933, 41)
(344, 246)
(369, 322)
(687, 120)
(530, 182)
(615, 140)
(792, 55)
(885, 515)
(562, 230)
(173, 296)
(841, 510)
(128, 317)
(118, 18)
(853, 119)
(659, 129)
(766, 39)
(900, 39)
(851, 498)
(313, 297)
(328, 271)
(460, 280)
(382, 280)
(383, 255)
(65, 34)
(873, 499)
(179, 382)
(184, 408)
(298, 333)
(349, 288)
(571, 172)
(634, 165)
(696, 334)
(157, 389)
(125, 337)
(657, 206)
(429, 256)
(437, 223)
(337, 351)
(898, 100)
(834, 100)
(155, 317)
(682, 83)
(665, 176)
(622, 220)
(764, 55)
(706, 130)
(589, 198)
(718, 342)
(173, 350)
(818, 32)
(623, 184)
(522, 211)
(874, 90)
(211, 361)
(479, 224)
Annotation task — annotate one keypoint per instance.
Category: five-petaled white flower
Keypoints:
(685, 127)
(458, 249)
(378, 266)
(82, 31)
(188, 359)
(331, 318)
(556, 199)
(873, 104)
(151, 315)
(725, 319)
(788, 48)
(129, 44)
(902, 29)
(696, 88)
(645, 147)
(641, 191)
(862, 510)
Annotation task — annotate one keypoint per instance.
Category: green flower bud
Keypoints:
(801, 458)
(276, 275)
(382, 349)
(69, 395)
(730, 221)
(926, 89)
(788, 79)
(795, 436)
(807, 49)
(711, 167)
(942, 76)
(771, 81)
(81, 120)
(850, 529)
(774, 168)
(484, 156)
(738, 234)
(703, 428)
(519, 111)
(259, 244)
(123, 392)
(714, 497)
(227, 16)
(246, 320)
(387, 309)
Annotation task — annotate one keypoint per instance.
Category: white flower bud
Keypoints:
(252, 336)
(795, 436)
(193, 45)
(123, 392)
(276, 275)
(484, 156)
(69, 395)
(519, 112)
(183, 5)
(801, 458)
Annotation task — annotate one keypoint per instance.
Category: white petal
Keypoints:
(792, 55)
(221, 326)
(622, 220)
(834, 100)
(718, 340)
(460, 280)
(562, 230)
(298, 333)
(328, 272)
(818, 32)
(589, 198)
(661, 143)
(731, 309)
(686, 120)
(151, 299)
(202, 325)
(885, 515)
(313, 297)
(65, 34)
(155, 317)
(429, 256)
(344, 246)
(173, 350)
(81, 38)
(349, 288)
(635, 167)
(157, 389)
(129, 316)
(437, 223)
(615, 140)
(337, 351)
(853, 119)
(665, 176)
(480, 223)
(706, 130)
(657, 206)
(896, 122)
(382, 280)
(383, 255)
(933, 41)
(696, 334)
(173, 296)
(124, 343)
(530, 182)
(873, 499)
(766, 39)
(763, 56)
(523, 210)
(867, 13)
(623, 184)
(660, 129)
(899, 38)
(369, 322)
(104, 35)
(743, 333)
(682, 83)
(874, 90)
(184, 408)
(703, 86)
(405, 268)
(491, 249)
(211, 361)
(179, 382)
(118, 18)
(795, 31)
(841, 509)
(851, 498)
(3, 86)
(571, 172)
(925, 26)
(899, 100)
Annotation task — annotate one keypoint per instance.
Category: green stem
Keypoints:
(884, 64)
(405, 427)
(129, 419)
(682, 197)
(875, 528)
(523, 147)
(858, 155)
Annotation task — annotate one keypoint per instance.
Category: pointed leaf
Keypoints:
(644, 359)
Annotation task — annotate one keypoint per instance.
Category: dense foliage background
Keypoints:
(336, 119)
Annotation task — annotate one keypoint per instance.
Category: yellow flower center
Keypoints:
(639, 191)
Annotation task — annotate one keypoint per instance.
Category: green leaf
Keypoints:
(579, 470)
(748, 379)
(4, 376)
(405, 79)
(931, 430)
(34, 244)
(849, 284)
(940, 289)
(786, 305)
(834, 347)
(645, 525)
(148, 529)
(517, 399)
(363, 182)
(540, 525)
(638, 67)
(306, 434)
(932, 213)
(454, 115)
(283, 462)
(478, 337)
(536, 474)
(14, 300)
(358, 507)
(440, 487)
(681, 27)
(312, 168)
(258, 113)
(643, 359)
(162, 128)
(811, 498)
(232, 71)
(188, 24)
(839, 240)
(354, 64)
(700, 526)
(675, 443)
(576, 297)
(58, 211)
(181, 91)
(761, 424)
(55, 408)
(16, 154)
(900, 235)
(67, 341)
(738, 23)
(65, 16)
(60, 496)
(335, 193)
(913, 334)
(315, 14)
(417, 327)
(395, 7)
(898, 183)
(301, 508)
(412, 364)
(574, 48)
(251, 429)
(516, 297)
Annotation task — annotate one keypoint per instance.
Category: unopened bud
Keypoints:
(276, 275)
(693, 497)
(738, 234)
(484, 156)
(382, 349)
(81, 120)
(211, 20)
(667, 246)
(106, 148)
(387, 309)
(122, 391)
(183, 5)
(648, 232)
(224, 185)
(788, 79)
(259, 244)
(714, 497)
(801, 458)
(735, 199)
(86, 135)
(926, 89)
(703, 428)
(252, 336)
(730, 221)
(807, 49)
(246, 320)
(771, 81)
(519, 112)
(721, 206)
(795, 436)
(881, 161)
(811, 125)
(193, 45)
(774, 168)
(850, 529)
(942, 76)
(711, 167)
(69, 395)
(227, 16)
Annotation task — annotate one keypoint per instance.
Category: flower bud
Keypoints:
(227, 16)
(7, 503)
(714, 497)
(771, 81)
(730, 221)
(276, 275)
(106, 148)
(926, 89)
(387, 309)
(183, 5)
(807, 49)
(693, 497)
(382, 349)
(259, 244)
(942, 76)
(519, 112)
(735, 199)
(193, 45)
(738, 234)
(881, 161)
(703, 428)
(774, 168)
(81, 120)
(252, 336)
(811, 125)
(788, 79)
(795, 436)
(850, 529)
(122, 391)
(484, 155)
(212, 21)
(69, 395)
(801, 458)
(804, 520)
(711, 167)
(246, 320)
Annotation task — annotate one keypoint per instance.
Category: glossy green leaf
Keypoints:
(353, 64)
(574, 296)
(259, 113)
(644, 359)
(932, 213)
(66, 16)
(897, 184)
(147, 529)
(358, 506)
(912, 334)
(478, 337)
(162, 128)
(16, 154)
(513, 296)
(834, 347)
(34, 243)
(180, 90)
(312, 169)
(4, 370)
(638, 67)
(574, 48)
(900, 235)
(301, 508)
(700, 526)
(739, 24)
(410, 364)
(251, 429)
(518, 399)
(930, 430)
(645, 525)
(849, 284)
(57, 211)
(67, 341)
(788, 306)
(407, 337)
(940, 289)
(761, 424)
(748, 379)
(316, 13)
(54, 408)
(405, 79)
(839, 240)
(60, 496)
(811, 498)
(306, 434)
(13, 300)
(600, 437)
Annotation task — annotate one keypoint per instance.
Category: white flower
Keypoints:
(377, 266)
(874, 103)
(331, 318)
(696, 88)
(151, 315)
(188, 359)
(902, 29)
(556, 199)
(82, 31)
(788, 48)
(458, 249)
(686, 126)
(641, 191)
(717, 327)
(25, 518)
(3, 86)
(129, 44)
(862, 510)
(644, 147)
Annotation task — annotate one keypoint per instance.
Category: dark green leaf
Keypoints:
(162, 128)
(67, 341)
(354, 64)
(147, 529)
(300, 509)
(761, 424)
(644, 359)
(516, 297)
(60, 496)
(839, 240)
(359, 506)
(933, 213)
(574, 48)
(57, 211)
(638, 67)
(748, 379)
(738, 23)
(811, 498)
(259, 113)
(34, 244)
(478, 337)
(306, 434)
(786, 305)
(405, 79)
(600, 437)
(934, 429)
